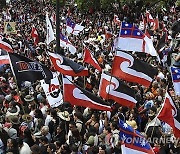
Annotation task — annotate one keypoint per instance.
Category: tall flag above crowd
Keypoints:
(72, 27)
(67, 66)
(65, 43)
(90, 59)
(27, 70)
(49, 34)
(170, 114)
(129, 68)
(132, 39)
(80, 97)
(175, 73)
(114, 89)
(133, 141)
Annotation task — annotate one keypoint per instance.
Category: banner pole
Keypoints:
(16, 82)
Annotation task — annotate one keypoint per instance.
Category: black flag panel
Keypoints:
(28, 70)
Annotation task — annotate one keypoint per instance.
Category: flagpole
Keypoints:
(58, 28)
(16, 82)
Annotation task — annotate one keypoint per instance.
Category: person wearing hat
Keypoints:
(132, 122)
(29, 98)
(64, 115)
(27, 120)
(13, 109)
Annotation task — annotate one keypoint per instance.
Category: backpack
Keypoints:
(83, 129)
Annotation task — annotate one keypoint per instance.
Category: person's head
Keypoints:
(38, 114)
(95, 117)
(107, 130)
(53, 113)
(36, 149)
(11, 143)
(113, 125)
(44, 130)
(75, 133)
(102, 149)
(43, 140)
(72, 125)
(131, 117)
(78, 115)
(57, 144)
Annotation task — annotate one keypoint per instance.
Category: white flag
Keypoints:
(50, 34)
(53, 92)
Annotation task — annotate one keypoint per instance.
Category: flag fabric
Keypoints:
(67, 66)
(175, 73)
(129, 68)
(132, 39)
(114, 89)
(133, 141)
(116, 20)
(5, 45)
(149, 17)
(4, 59)
(89, 58)
(170, 114)
(72, 27)
(28, 70)
(52, 91)
(53, 17)
(80, 97)
(108, 34)
(34, 35)
(64, 42)
(49, 34)
(156, 23)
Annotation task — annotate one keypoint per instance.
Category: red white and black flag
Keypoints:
(28, 70)
(89, 58)
(34, 35)
(170, 114)
(4, 58)
(6, 45)
(81, 97)
(129, 68)
(67, 66)
(52, 91)
(112, 88)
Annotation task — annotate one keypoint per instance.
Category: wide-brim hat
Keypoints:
(27, 118)
(64, 115)
(13, 119)
(29, 98)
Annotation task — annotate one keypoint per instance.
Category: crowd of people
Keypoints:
(29, 125)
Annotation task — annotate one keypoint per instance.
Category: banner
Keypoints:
(10, 28)
(53, 92)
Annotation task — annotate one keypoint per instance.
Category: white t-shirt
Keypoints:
(25, 149)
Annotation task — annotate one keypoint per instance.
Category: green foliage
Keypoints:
(85, 5)
(62, 2)
(106, 4)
